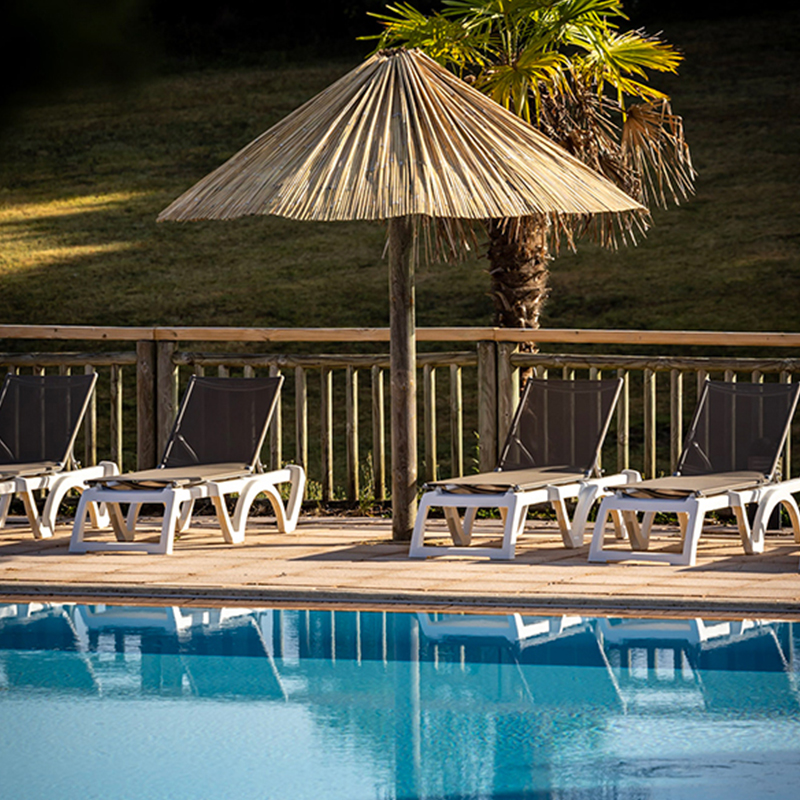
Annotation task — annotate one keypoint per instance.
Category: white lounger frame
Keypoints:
(178, 505)
(513, 510)
(691, 513)
(57, 485)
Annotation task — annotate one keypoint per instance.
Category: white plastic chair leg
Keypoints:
(418, 535)
(79, 526)
(32, 513)
(572, 533)
(172, 510)
(99, 515)
(459, 533)
(185, 518)
(132, 517)
(638, 538)
(5, 504)
(620, 531)
(119, 524)
(598, 534)
(694, 527)
(752, 538)
(470, 515)
(232, 534)
(514, 522)
(296, 493)
(771, 500)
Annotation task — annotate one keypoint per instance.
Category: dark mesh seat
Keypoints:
(212, 452)
(39, 420)
(217, 435)
(730, 459)
(555, 437)
(551, 455)
(734, 442)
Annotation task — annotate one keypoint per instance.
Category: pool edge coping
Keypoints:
(393, 601)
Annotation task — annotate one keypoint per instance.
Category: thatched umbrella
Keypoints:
(401, 139)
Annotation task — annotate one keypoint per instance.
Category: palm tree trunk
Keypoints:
(518, 257)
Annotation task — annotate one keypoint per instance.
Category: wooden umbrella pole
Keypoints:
(403, 361)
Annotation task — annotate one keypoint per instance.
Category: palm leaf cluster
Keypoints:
(565, 66)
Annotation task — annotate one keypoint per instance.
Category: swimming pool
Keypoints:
(115, 702)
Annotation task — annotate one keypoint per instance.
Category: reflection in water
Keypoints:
(406, 705)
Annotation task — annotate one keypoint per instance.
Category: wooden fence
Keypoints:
(333, 412)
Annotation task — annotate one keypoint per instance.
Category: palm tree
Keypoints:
(566, 67)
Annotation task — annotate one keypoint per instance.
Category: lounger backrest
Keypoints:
(222, 421)
(40, 416)
(560, 423)
(739, 427)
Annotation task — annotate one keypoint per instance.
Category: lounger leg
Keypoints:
(694, 527)
(187, 509)
(131, 520)
(57, 493)
(172, 511)
(638, 540)
(598, 535)
(620, 531)
(5, 504)
(286, 516)
(790, 504)
(79, 526)
(752, 539)
(229, 532)
(469, 520)
(98, 514)
(119, 525)
(295, 502)
(573, 533)
(242, 511)
(458, 533)
(418, 536)
(682, 520)
(514, 521)
(767, 506)
(39, 531)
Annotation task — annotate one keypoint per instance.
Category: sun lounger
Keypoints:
(213, 452)
(39, 419)
(730, 460)
(551, 455)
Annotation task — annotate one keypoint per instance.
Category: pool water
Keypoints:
(115, 702)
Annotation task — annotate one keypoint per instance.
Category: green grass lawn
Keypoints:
(82, 180)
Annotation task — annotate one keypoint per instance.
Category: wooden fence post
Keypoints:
(90, 425)
(166, 393)
(487, 406)
(326, 433)
(649, 423)
(429, 422)
(116, 416)
(507, 390)
(378, 434)
(456, 422)
(146, 440)
(351, 403)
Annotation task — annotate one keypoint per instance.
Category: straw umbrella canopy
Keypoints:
(401, 139)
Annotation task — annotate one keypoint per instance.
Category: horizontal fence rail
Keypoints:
(332, 416)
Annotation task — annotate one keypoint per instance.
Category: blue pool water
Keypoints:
(112, 702)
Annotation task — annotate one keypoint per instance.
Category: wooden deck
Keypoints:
(351, 561)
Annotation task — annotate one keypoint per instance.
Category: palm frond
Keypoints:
(514, 85)
(446, 41)
(619, 59)
(652, 138)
